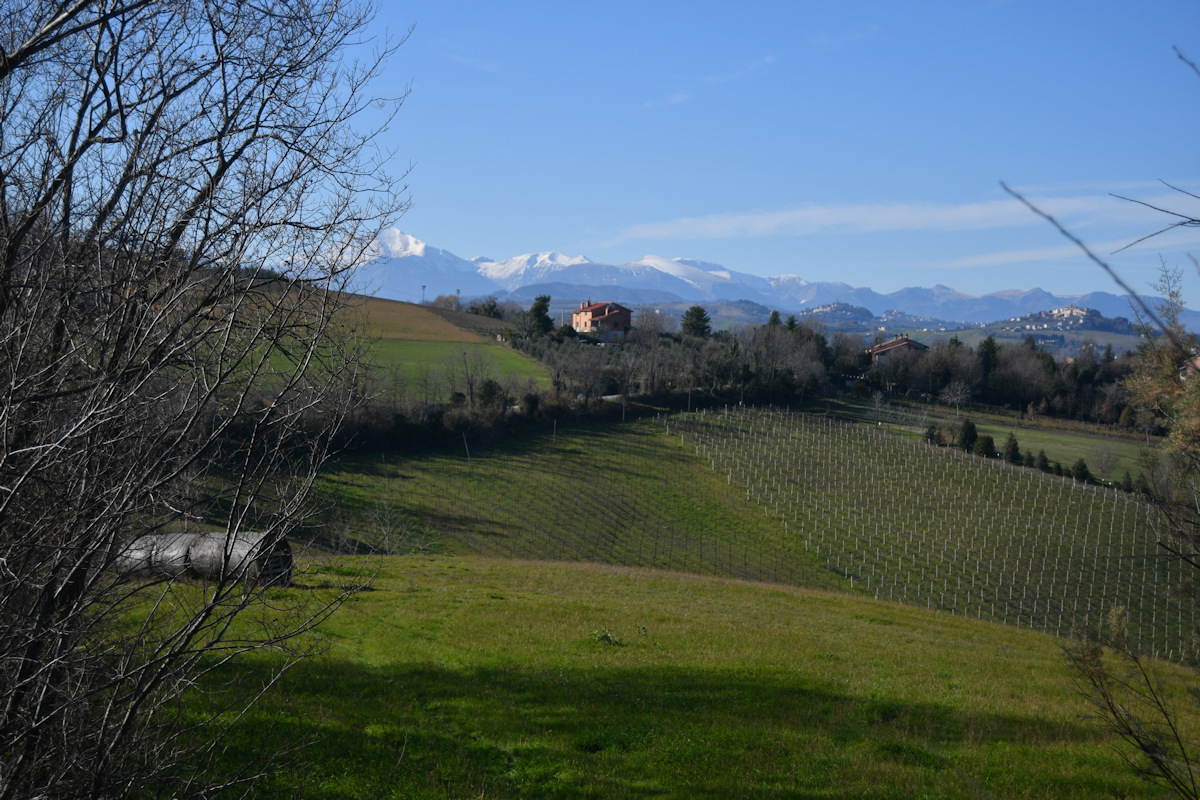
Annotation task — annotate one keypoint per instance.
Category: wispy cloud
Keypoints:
(743, 72)
(1176, 244)
(811, 220)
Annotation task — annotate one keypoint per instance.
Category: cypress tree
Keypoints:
(984, 446)
(1080, 470)
(1012, 450)
(967, 435)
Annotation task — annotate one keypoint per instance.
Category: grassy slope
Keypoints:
(415, 339)
(483, 678)
(795, 500)
(627, 495)
(1061, 444)
(1066, 447)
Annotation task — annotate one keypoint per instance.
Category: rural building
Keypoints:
(899, 343)
(609, 321)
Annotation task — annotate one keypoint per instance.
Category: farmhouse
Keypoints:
(609, 321)
(899, 343)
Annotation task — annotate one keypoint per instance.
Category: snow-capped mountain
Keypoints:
(512, 273)
(403, 267)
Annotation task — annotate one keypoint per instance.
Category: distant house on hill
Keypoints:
(899, 343)
(609, 321)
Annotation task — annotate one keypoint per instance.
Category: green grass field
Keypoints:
(470, 677)
(1067, 447)
(417, 348)
(416, 358)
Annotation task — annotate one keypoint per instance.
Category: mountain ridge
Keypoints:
(402, 267)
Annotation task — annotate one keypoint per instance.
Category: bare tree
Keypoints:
(807, 367)
(879, 406)
(184, 190)
(956, 393)
(1104, 459)
(625, 369)
(470, 368)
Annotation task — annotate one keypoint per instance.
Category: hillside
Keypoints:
(733, 603)
(796, 500)
(425, 347)
(471, 677)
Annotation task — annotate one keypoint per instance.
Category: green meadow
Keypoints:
(420, 348)
(460, 676)
(417, 360)
(1067, 447)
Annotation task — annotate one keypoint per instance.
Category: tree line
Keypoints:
(686, 363)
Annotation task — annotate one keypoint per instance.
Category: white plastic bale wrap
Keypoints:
(163, 554)
(248, 555)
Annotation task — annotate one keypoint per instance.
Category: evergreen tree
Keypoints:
(988, 352)
(967, 435)
(539, 313)
(695, 322)
(1041, 462)
(1012, 450)
(932, 435)
(1080, 471)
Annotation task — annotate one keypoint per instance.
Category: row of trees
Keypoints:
(784, 360)
(1087, 386)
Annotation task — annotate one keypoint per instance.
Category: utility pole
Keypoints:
(422, 294)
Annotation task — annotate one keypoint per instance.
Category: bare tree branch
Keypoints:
(184, 195)
(1137, 298)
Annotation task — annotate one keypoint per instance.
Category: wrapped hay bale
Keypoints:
(248, 555)
(251, 555)
(162, 554)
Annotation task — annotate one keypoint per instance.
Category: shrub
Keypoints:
(984, 446)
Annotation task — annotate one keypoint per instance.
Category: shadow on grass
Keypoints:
(641, 732)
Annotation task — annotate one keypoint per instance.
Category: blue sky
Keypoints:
(854, 141)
